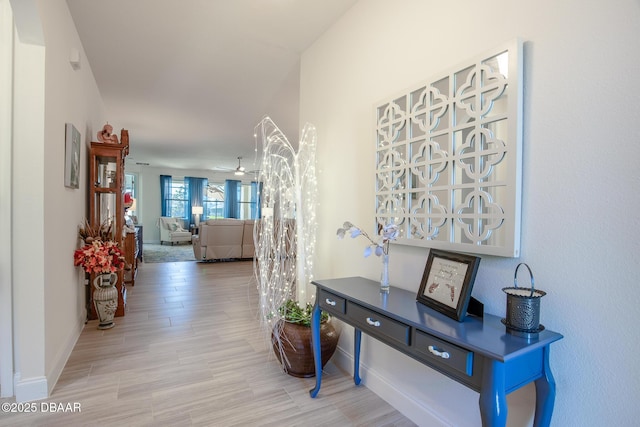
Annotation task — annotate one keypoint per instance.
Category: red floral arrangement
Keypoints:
(99, 257)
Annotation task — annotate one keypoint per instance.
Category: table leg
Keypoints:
(357, 339)
(545, 393)
(493, 399)
(315, 343)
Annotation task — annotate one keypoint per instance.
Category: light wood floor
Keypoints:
(189, 352)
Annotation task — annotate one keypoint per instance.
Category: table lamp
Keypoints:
(197, 211)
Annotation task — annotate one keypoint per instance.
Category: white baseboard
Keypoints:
(63, 355)
(30, 389)
(38, 388)
(374, 381)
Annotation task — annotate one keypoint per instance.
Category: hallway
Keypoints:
(189, 352)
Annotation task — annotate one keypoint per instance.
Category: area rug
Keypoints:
(166, 253)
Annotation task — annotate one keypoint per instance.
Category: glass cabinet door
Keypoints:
(106, 168)
(106, 210)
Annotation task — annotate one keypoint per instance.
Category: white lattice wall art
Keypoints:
(449, 155)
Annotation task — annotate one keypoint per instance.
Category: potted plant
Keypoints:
(291, 339)
(102, 258)
(284, 240)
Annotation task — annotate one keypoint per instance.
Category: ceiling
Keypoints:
(190, 79)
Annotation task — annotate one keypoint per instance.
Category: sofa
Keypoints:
(248, 248)
(221, 239)
(172, 230)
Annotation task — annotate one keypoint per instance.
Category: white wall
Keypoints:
(27, 207)
(6, 130)
(48, 306)
(71, 96)
(579, 223)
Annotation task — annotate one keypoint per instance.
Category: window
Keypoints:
(131, 187)
(214, 202)
(247, 205)
(179, 200)
(131, 184)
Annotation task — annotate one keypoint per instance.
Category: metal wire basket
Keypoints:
(523, 306)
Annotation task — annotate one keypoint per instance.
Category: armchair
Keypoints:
(171, 230)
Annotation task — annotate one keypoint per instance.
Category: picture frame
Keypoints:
(447, 282)
(72, 157)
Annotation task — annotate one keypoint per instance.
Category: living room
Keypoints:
(578, 229)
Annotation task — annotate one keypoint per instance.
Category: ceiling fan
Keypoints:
(239, 171)
(240, 168)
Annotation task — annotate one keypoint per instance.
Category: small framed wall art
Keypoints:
(447, 282)
(72, 157)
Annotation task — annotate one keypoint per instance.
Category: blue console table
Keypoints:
(478, 352)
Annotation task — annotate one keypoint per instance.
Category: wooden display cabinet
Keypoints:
(106, 202)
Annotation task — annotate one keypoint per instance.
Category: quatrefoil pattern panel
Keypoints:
(449, 154)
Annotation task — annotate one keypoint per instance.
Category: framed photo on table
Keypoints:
(447, 282)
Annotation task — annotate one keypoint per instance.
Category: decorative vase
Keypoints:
(294, 345)
(105, 299)
(384, 276)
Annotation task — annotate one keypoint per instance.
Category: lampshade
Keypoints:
(197, 210)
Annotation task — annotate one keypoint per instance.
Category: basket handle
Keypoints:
(515, 277)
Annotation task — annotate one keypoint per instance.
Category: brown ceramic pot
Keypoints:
(296, 346)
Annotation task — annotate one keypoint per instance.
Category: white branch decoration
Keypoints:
(285, 236)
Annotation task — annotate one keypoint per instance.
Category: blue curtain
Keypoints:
(195, 192)
(165, 195)
(232, 198)
(256, 203)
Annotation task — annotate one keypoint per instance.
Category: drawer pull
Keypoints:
(330, 301)
(372, 322)
(438, 353)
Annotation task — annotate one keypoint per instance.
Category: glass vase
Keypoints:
(384, 276)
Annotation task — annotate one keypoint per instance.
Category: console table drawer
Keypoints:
(443, 352)
(377, 324)
(331, 302)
